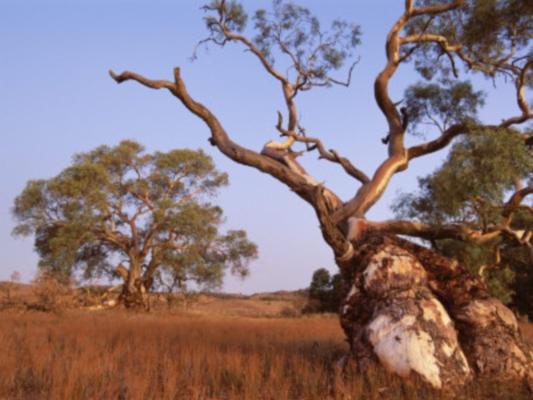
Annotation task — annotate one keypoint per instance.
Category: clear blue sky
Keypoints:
(56, 99)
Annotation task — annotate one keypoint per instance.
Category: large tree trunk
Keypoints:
(418, 312)
(134, 293)
(134, 296)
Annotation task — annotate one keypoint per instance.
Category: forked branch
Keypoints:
(219, 138)
(330, 155)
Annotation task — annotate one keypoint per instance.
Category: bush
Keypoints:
(53, 294)
(288, 312)
(324, 292)
(9, 289)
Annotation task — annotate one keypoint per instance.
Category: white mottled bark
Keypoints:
(409, 329)
(417, 312)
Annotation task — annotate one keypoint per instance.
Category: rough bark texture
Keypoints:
(419, 312)
(134, 296)
(135, 289)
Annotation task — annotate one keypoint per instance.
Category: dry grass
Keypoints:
(112, 355)
(256, 306)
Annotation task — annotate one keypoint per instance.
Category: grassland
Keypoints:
(209, 352)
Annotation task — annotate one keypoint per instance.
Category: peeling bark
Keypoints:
(417, 312)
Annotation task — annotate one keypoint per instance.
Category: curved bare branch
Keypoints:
(372, 191)
(514, 202)
(520, 84)
(433, 232)
(438, 144)
(432, 10)
(426, 37)
(294, 179)
(398, 156)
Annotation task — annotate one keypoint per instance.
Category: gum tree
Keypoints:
(408, 307)
(118, 211)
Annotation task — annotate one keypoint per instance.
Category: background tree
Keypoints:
(117, 210)
(400, 299)
(325, 290)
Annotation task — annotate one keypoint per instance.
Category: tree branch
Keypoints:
(427, 37)
(438, 144)
(433, 10)
(372, 191)
(520, 84)
(433, 232)
(219, 138)
(515, 201)
(332, 155)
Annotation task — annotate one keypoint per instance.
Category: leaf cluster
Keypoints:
(292, 30)
(442, 105)
(491, 26)
(205, 262)
(493, 36)
(470, 189)
(230, 15)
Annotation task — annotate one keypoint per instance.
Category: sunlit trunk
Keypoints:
(417, 312)
(134, 293)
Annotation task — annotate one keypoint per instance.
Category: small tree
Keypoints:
(140, 212)
(324, 291)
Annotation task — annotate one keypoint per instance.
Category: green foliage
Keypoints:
(500, 282)
(287, 30)
(486, 31)
(471, 184)
(292, 29)
(499, 278)
(442, 105)
(119, 203)
(325, 291)
(230, 13)
(491, 25)
(469, 189)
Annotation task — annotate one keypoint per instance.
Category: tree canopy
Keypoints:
(120, 210)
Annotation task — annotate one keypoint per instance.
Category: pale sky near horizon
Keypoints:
(57, 99)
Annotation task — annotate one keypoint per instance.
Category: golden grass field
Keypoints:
(209, 352)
